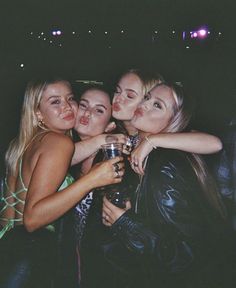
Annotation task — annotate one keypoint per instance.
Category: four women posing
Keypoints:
(168, 228)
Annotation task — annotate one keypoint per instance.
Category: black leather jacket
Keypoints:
(169, 230)
(225, 170)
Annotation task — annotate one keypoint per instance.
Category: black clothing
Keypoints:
(170, 236)
(39, 259)
(95, 270)
(225, 170)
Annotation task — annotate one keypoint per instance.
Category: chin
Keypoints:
(117, 115)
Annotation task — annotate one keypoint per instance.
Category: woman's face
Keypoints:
(93, 114)
(128, 94)
(57, 107)
(156, 110)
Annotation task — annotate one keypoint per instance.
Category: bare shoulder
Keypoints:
(53, 140)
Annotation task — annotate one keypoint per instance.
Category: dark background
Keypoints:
(207, 66)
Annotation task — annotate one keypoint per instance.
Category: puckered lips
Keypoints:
(138, 112)
(84, 120)
(116, 107)
(69, 116)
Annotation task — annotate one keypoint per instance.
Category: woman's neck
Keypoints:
(130, 128)
(84, 137)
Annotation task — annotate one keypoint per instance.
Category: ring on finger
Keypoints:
(117, 174)
(117, 167)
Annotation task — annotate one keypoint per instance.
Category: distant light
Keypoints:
(31, 33)
(208, 32)
(54, 33)
(22, 65)
(73, 32)
(219, 33)
(187, 47)
(42, 33)
(39, 36)
(50, 41)
(122, 31)
(89, 31)
(194, 35)
(202, 32)
(155, 31)
(58, 32)
(105, 32)
(44, 39)
(60, 45)
(173, 31)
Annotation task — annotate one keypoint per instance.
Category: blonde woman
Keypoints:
(172, 232)
(39, 192)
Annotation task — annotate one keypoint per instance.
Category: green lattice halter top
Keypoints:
(7, 202)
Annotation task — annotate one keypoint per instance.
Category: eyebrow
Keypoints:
(97, 105)
(59, 96)
(128, 89)
(53, 96)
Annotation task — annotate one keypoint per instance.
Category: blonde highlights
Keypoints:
(29, 124)
(182, 113)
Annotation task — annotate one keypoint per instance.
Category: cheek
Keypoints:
(100, 123)
(158, 124)
(51, 112)
(129, 108)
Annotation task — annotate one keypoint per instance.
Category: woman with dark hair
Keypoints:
(170, 235)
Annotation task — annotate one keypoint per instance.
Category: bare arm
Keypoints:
(85, 148)
(43, 203)
(193, 142)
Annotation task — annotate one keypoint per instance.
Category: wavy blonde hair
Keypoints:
(29, 122)
(182, 114)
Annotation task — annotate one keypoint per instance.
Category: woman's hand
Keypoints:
(106, 172)
(119, 138)
(110, 212)
(138, 155)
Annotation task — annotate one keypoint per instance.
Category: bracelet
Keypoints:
(150, 142)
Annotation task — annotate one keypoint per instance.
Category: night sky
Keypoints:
(102, 38)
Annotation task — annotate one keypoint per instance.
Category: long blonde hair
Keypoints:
(29, 125)
(182, 114)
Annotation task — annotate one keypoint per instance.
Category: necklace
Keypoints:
(134, 140)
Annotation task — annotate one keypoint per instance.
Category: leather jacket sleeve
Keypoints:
(173, 231)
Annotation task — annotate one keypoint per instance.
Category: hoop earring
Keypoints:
(41, 124)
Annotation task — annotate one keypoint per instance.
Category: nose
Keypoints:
(87, 113)
(144, 105)
(67, 105)
(119, 98)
